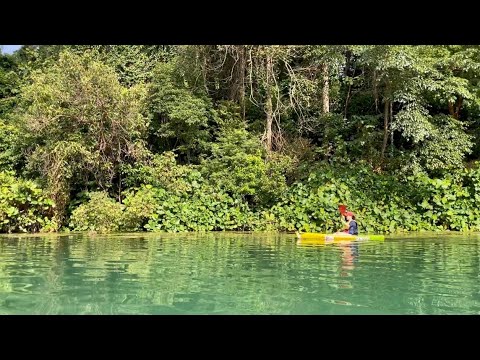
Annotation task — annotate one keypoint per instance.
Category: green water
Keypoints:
(238, 274)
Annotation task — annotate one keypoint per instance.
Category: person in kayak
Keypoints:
(351, 226)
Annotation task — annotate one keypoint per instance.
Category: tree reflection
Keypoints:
(236, 273)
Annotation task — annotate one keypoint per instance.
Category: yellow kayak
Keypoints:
(330, 238)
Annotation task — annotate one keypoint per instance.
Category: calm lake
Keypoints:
(227, 273)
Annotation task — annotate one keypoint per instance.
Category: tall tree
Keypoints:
(81, 125)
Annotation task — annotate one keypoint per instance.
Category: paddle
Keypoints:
(341, 208)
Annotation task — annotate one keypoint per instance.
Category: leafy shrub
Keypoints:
(24, 207)
(101, 213)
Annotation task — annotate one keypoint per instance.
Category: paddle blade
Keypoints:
(342, 209)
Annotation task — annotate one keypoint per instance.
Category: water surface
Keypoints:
(224, 273)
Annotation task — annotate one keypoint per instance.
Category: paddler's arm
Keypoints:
(346, 226)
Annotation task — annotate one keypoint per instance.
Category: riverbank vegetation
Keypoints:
(212, 138)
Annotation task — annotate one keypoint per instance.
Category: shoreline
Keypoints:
(216, 233)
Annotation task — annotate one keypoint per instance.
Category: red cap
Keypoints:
(349, 213)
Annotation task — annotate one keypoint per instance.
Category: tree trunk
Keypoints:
(454, 108)
(204, 72)
(326, 89)
(347, 100)
(385, 127)
(348, 71)
(269, 107)
(391, 131)
(242, 68)
(120, 187)
(375, 92)
(459, 106)
(450, 109)
(239, 67)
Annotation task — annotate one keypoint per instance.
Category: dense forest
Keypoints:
(239, 137)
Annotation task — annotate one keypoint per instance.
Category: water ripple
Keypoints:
(237, 274)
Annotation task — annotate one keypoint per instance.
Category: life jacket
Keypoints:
(353, 228)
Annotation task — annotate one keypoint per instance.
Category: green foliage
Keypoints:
(177, 114)
(419, 85)
(204, 209)
(9, 84)
(101, 213)
(80, 124)
(140, 207)
(178, 135)
(446, 146)
(134, 64)
(160, 170)
(9, 89)
(9, 155)
(382, 203)
(24, 206)
(238, 166)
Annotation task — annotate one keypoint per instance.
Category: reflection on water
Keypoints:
(225, 273)
(349, 257)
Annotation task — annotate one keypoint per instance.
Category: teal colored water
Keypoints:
(238, 274)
